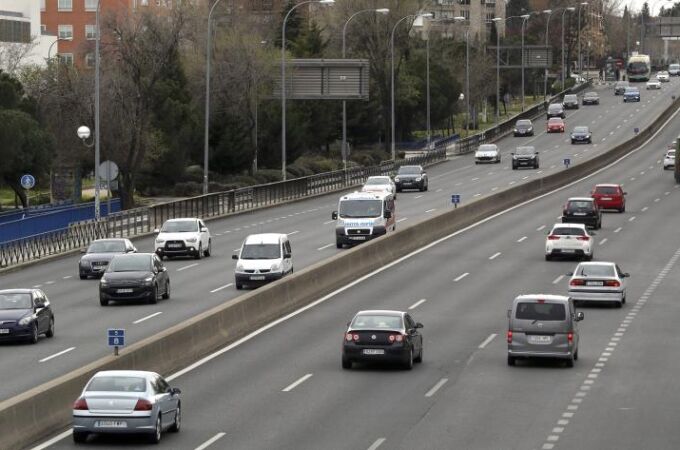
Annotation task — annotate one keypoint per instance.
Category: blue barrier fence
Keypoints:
(42, 221)
(16, 214)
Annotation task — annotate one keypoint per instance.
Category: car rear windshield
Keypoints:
(606, 190)
(261, 251)
(596, 271)
(674, 66)
(554, 120)
(569, 98)
(409, 170)
(525, 151)
(554, 108)
(540, 311)
(591, 94)
(117, 384)
(180, 226)
(568, 231)
(487, 148)
(377, 181)
(580, 204)
(15, 301)
(106, 247)
(524, 123)
(376, 321)
(360, 208)
(580, 129)
(130, 263)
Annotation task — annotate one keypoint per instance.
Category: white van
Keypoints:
(362, 216)
(263, 258)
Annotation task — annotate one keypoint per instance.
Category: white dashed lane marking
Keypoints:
(418, 303)
(460, 277)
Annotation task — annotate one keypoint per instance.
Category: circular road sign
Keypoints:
(108, 171)
(27, 181)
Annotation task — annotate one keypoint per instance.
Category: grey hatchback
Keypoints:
(543, 326)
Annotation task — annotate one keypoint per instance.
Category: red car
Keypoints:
(555, 125)
(609, 196)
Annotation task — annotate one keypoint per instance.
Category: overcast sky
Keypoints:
(654, 5)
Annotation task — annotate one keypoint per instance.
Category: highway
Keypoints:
(285, 389)
(199, 285)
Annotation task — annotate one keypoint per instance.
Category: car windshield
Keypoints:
(409, 170)
(606, 190)
(487, 148)
(599, 270)
(671, 154)
(555, 120)
(637, 67)
(261, 251)
(580, 204)
(524, 123)
(568, 231)
(580, 129)
(540, 311)
(591, 94)
(360, 208)
(106, 247)
(569, 98)
(372, 321)
(117, 384)
(180, 226)
(524, 151)
(130, 263)
(377, 181)
(15, 301)
(631, 90)
(555, 108)
(674, 66)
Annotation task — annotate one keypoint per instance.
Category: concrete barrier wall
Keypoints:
(35, 414)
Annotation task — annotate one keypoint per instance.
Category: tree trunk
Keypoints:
(18, 190)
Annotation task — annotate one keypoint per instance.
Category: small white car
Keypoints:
(654, 83)
(669, 160)
(487, 153)
(183, 237)
(380, 184)
(598, 282)
(663, 76)
(569, 239)
(263, 258)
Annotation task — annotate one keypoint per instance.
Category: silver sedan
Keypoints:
(126, 402)
(598, 282)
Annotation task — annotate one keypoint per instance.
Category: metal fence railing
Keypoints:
(138, 221)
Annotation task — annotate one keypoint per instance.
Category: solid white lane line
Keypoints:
(436, 387)
(67, 277)
(488, 340)
(494, 188)
(521, 239)
(188, 267)
(293, 232)
(402, 219)
(558, 279)
(148, 317)
(54, 440)
(495, 255)
(297, 383)
(325, 247)
(540, 228)
(418, 303)
(431, 210)
(603, 241)
(524, 178)
(377, 444)
(617, 230)
(221, 287)
(328, 221)
(56, 354)
(210, 441)
(460, 277)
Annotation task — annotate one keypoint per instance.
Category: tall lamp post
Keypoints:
(283, 79)
(410, 16)
(96, 112)
(524, 17)
(49, 50)
(497, 21)
(549, 12)
(564, 72)
(580, 65)
(344, 102)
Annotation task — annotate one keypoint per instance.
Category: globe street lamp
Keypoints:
(49, 50)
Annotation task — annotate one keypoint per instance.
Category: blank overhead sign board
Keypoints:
(329, 79)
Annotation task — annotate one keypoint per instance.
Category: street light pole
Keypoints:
(96, 114)
(524, 17)
(564, 72)
(467, 82)
(580, 66)
(427, 84)
(547, 34)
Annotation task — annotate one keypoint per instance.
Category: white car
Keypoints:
(669, 160)
(569, 239)
(380, 184)
(487, 153)
(663, 76)
(263, 258)
(654, 83)
(598, 282)
(183, 237)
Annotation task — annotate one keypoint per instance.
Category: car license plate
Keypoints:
(257, 277)
(358, 238)
(124, 291)
(606, 198)
(594, 283)
(4, 330)
(174, 245)
(541, 340)
(373, 351)
(579, 214)
(568, 250)
(110, 424)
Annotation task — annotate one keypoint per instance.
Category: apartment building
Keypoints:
(21, 39)
(478, 15)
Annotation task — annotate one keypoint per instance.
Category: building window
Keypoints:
(90, 32)
(464, 2)
(466, 13)
(65, 31)
(15, 31)
(490, 17)
(43, 29)
(65, 5)
(90, 5)
(89, 60)
(66, 58)
(42, 5)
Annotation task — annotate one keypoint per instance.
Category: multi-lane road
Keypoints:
(463, 396)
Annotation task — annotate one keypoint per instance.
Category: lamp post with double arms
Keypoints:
(524, 17)
(564, 71)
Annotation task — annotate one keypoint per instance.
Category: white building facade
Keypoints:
(21, 40)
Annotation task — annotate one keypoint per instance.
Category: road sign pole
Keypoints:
(115, 351)
(108, 198)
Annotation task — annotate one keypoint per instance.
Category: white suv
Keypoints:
(569, 239)
(183, 237)
(669, 160)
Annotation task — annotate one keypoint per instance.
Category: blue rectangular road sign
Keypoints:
(455, 198)
(116, 337)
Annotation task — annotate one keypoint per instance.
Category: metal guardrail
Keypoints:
(138, 221)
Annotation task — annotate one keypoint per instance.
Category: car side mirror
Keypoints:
(570, 274)
(39, 304)
(204, 229)
(175, 391)
(234, 256)
(535, 153)
(287, 255)
(625, 193)
(83, 250)
(626, 275)
(164, 269)
(580, 316)
(592, 233)
(156, 230)
(334, 215)
(419, 325)
(388, 214)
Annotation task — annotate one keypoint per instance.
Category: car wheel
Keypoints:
(572, 142)
(50, 330)
(421, 188)
(103, 301)
(209, 249)
(427, 186)
(408, 365)
(511, 360)
(576, 355)
(419, 359)
(33, 339)
(177, 423)
(476, 162)
(570, 362)
(346, 363)
(79, 437)
(239, 286)
(154, 295)
(514, 167)
(590, 257)
(199, 253)
(619, 304)
(83, 276)
(155, 438)
(398, 189)
(622, 209)
(548, 257)
(338, 244)
(623, 300)
(166, 294)
(536, 166)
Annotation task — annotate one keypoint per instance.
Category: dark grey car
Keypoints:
(620, 87)
(411, 177)
(134, 277)
(556, 110)
(581, 134)
(525, 156)
(570, 101)
(25, 314)
(591, 98)
(523, 127)
(100, 253)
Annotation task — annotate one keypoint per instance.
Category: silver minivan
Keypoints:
(543, 326)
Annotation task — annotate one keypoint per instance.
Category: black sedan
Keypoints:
(523, 127)
(25, 314)
(581, 134)
(591, 98)
(134, 277)
(100, 253)
(411, 177)
(382, 337)
(582, 210)
(525, 156)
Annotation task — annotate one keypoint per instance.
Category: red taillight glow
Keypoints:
(612, 283)
(143, 405)
(577, 282)
(349, 337)
(570, 337)
(80, 405)
(583, 238)
(553, 237)
(396, 338)
(509, 336)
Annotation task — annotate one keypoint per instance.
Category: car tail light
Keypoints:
(583, 238)
(396, 338)
(80, 405)
(570, 337)
(349, 337)
(143, 405)
(612, 283)
(553, 237)
(577, 282)
(509, 336)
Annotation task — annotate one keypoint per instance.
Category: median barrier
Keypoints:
(33, 415)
